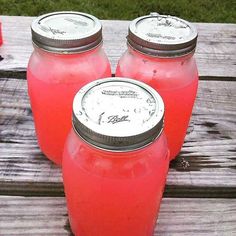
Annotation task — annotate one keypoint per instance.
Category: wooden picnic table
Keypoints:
(199, 199)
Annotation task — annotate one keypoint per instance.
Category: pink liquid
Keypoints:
(1, 40)
(113, 193)
(176, 80)
(53, 81)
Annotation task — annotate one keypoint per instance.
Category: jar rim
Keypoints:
(118, 114)
(66, 32)
(162, 35)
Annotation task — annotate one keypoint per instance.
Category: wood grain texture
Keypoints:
(209, 148)
(33, 216)
(216, 50)
(178, 217)
(200, 217)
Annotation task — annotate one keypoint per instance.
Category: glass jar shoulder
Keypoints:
(57, 67)
(115, 164)
(166, 72)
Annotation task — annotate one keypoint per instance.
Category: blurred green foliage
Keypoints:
(192, 10)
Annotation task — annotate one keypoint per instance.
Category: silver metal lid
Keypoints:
(66, 32)
(162, 36)
(118, 114)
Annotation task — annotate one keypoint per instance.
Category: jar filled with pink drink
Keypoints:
(115, 159)
(67, 55)
(1, 39)
(160, 53)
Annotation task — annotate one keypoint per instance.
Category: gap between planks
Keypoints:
(22, 75)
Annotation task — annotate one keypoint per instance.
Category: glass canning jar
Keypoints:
(67, 54)
(160, 53)
(116, 159)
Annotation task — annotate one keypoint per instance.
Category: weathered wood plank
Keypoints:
(184, 217)
(209, 148)
(216, 51)
(178, 217)
(33, 216)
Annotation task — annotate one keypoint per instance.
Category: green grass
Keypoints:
(192, 10)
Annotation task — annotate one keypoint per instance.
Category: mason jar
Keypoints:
(67, 54)
(116, 159)
(1, 40)
(160, 53)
